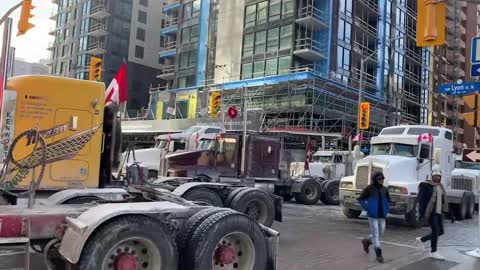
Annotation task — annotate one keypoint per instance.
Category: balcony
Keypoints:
(54, 14)
(312, 18)
(167, 72)
(365, 26)
(371, 4)
(98, 12)
(411, 97)
(168, 45)
(309, 49)
(452, 56)
(96, 48)
(98, 30)
(170, 4)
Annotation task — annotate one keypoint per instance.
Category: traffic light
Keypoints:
(24, 23)
(215, 104)
(95, 69)
(364, 116)
(431, 16)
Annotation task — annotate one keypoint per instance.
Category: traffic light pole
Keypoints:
(362, 69)
(10, 11)
(7, 35)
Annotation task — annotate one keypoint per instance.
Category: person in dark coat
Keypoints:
(433, 201)
(375, 199)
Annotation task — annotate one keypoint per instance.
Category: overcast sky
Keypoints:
(33, 45)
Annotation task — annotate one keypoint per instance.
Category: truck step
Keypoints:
(14, 240)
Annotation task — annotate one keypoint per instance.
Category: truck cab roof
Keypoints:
(408, 134)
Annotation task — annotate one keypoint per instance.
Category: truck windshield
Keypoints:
(160, 144)
(322, 159)
(394, 149)
(206, 144)
(467, 165)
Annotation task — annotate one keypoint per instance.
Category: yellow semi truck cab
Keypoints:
(69, 114)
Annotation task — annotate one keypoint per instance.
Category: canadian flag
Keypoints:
(358, 138)
(425, 137)
(197, 139)
(117, 91)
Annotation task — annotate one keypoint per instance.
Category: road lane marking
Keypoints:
(394, 244)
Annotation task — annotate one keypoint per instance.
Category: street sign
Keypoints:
(474, 72)
(471, 155)
(458, 89)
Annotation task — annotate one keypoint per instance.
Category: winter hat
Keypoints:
(436, 170)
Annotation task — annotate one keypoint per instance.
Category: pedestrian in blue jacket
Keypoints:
(375, 199)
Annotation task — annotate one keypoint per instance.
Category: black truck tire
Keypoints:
(470, 206)
(310, 193)
(128, 238)
(331, 191)
(256, 204)
(192, 224)
(460, 210)
(351, 213)
(232, 195)
(230, 240)
(203, 195)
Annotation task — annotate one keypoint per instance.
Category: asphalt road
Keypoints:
(320, 237)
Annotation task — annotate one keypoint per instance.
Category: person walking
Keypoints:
(432, 200)
(375, 199)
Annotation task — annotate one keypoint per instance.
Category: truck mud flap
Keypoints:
(8, 197)
(278, 201)
(273, 243)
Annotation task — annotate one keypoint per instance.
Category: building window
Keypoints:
(187, 11)
(284, 65)
(258, 69)
(141, 34)
(273, 39)
(344, 30)
(190, 34)
(250, 15)
(346, 7)
(262, 9)
(274, 10)
(196, 8)
(247, 71)
(139, 51)
(142, 17)
(144, 3)
(271, 67)
(248, 45)
(287, 8)
(188, 59)
(186, 82)
(260, 42)
(286, 37)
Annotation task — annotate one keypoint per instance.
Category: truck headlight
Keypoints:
(346, 184)
(397, 190)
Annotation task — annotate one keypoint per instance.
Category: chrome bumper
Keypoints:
(400, 205)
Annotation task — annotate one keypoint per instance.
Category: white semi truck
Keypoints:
(405, 154)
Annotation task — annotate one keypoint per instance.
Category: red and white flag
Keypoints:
(308, 156)
(117, 91)
(425, 137)
(197, 139)
(358, 138)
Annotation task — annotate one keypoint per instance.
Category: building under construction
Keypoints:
(295, 66)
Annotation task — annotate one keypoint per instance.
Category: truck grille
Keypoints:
(362, 177)
(462, 183)
(363, 180)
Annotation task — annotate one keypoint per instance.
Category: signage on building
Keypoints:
(458, 89)
(475, 69)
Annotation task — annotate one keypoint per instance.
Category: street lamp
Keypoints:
(362, 65)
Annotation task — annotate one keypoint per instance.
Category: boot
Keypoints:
(378, 252)
(366, 245)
